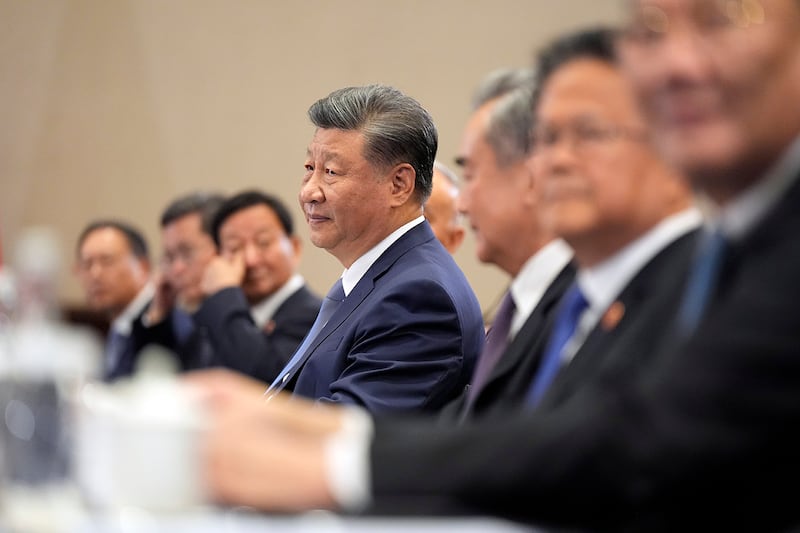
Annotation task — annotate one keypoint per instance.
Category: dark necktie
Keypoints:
(572, 305)
(702, 282)
(494, 347)
(331, 302)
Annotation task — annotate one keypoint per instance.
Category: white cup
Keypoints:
(139, 445)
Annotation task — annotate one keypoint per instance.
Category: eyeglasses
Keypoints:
(651, 23)
(186, 254)
(86, 264)
(584, 136)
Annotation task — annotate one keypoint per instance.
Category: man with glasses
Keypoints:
(628, 216)
(188, 247)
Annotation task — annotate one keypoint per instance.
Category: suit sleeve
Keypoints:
(240, 345)
(710, 430)
(160, 334)
(408, 353)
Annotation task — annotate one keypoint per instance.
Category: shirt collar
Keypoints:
(123, 324)
(746, 210)
(263, 311)
(602, 283)
(353, 275)
(536, 275)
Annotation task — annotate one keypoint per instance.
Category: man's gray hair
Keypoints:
(511, 118)
(502, 81)
(396, 128)
(448, 173)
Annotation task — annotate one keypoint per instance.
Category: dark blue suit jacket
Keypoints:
(405, 338)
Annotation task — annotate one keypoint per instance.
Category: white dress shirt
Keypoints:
(353, 275)
(603, 283)
(123, 324)
(263, 311)
(535, 276)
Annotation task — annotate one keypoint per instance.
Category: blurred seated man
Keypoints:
(441, 208)
(257, 308)
(188, 247)
(113, 267)
(500, 199)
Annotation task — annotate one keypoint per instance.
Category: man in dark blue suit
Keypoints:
(407, 327)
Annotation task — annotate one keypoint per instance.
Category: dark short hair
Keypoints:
(136, 240)
(591, 43)
(204, 204)
(250, 198)
(396, 128)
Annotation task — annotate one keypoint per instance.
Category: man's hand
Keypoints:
(163, 299)
(223, 271)
(264, 454)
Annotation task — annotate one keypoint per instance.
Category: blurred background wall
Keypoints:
(113, 107)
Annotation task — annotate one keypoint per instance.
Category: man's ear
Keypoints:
(403, 178)
(530, 182)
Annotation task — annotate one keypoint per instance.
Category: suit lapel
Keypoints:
(640, 293)
(534, 326)
(526, 346)
(416, 236)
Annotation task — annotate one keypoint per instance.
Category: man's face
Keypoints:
(441, 212)
(270, 256)
(345, 199)
(595, 166)
(719, 81)
(496, 198)
(187, 251)
(111, 275)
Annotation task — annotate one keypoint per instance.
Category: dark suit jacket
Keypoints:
(509, 380)
(648, 302)
(705, 437)
(128, 352)
(405, 338)
(225, 334)
(224, 318)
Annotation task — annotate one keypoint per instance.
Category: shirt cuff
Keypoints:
(347, 461)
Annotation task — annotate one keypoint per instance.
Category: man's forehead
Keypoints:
(740, 12)
(105, 238)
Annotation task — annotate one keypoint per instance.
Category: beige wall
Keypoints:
(112, 107)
